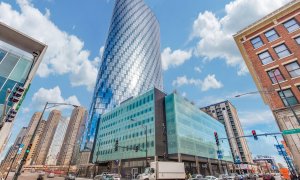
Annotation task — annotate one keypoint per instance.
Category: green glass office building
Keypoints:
(176, 131)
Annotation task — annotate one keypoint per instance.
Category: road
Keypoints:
(33, 176)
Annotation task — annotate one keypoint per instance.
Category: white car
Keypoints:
(211, 178)
(51, 175)
(196, 177)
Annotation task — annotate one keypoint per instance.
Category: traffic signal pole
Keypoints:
(23, 160)
(27, 151)
(266, 134)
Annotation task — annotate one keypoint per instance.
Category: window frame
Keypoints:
(276, 33)
(261, 60)
(296, 22)
(293, 69)
(276, 81)
(253, 44)
(287, 49)
(297, 39)
(282, 98)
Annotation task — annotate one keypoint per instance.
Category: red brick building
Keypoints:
(271, 50)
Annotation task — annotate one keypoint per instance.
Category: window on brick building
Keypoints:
(287, 97)
(293, 69)
(297, 39)
(271, 35)
(265, 57)
(291, 25)
(256, 42)
(275, 75)
(282, 51)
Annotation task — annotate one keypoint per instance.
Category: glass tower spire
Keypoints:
(131, 62)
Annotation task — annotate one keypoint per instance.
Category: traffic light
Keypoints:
(217, 138)
(116, 145)
(254, 134)
(136, 148)
(11, 115)
(17, 94)
(28, 148)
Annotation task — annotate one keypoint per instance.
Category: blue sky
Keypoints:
(199, 56)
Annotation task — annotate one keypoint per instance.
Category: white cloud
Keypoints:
(209, 82)
(65, 53)
(253, 118)
(43, 95)
(197, 69)
(174, 58)
(215, 34)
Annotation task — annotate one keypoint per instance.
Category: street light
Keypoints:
(23, 160)
(266, 92)
(145, 127)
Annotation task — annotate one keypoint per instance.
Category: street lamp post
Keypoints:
(23, 160)
(265, 92)
(146, 131)
(289, 105)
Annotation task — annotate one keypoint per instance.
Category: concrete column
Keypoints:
(197, 165)
(209, 167)
(119, 167)
(155, 158)
(220, 167)
(179, 157)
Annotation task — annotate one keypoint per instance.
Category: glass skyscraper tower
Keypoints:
(131, 62)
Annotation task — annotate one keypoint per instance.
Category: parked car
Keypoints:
(223, 176)
(51, 175)
(211, 178)
(70, 177)
(112, 177)
(100, 176)
(196, 177)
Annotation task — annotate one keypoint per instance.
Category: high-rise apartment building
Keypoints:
(46, 139)
(57, 141)
(20, 56)
(226, 113)
(271, 49)
(35, 142)
(9, 158)
(69, 151)
(29, 133)
(131, 62)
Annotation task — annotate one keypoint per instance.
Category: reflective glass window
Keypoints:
(265, 57)
(21, 70)
(282, 51)
(271, 35)
(2, 54)
(275, 76)
(288, 97)
(293, 69)
(297, 39)
(291, 25)
(256, 42)
(8, 64)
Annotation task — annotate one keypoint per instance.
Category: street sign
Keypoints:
(20, 148)
(280, 146)
(291, 131)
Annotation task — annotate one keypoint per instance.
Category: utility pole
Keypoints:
(23, 160)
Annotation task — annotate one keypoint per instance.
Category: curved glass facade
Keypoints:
(131, 63)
